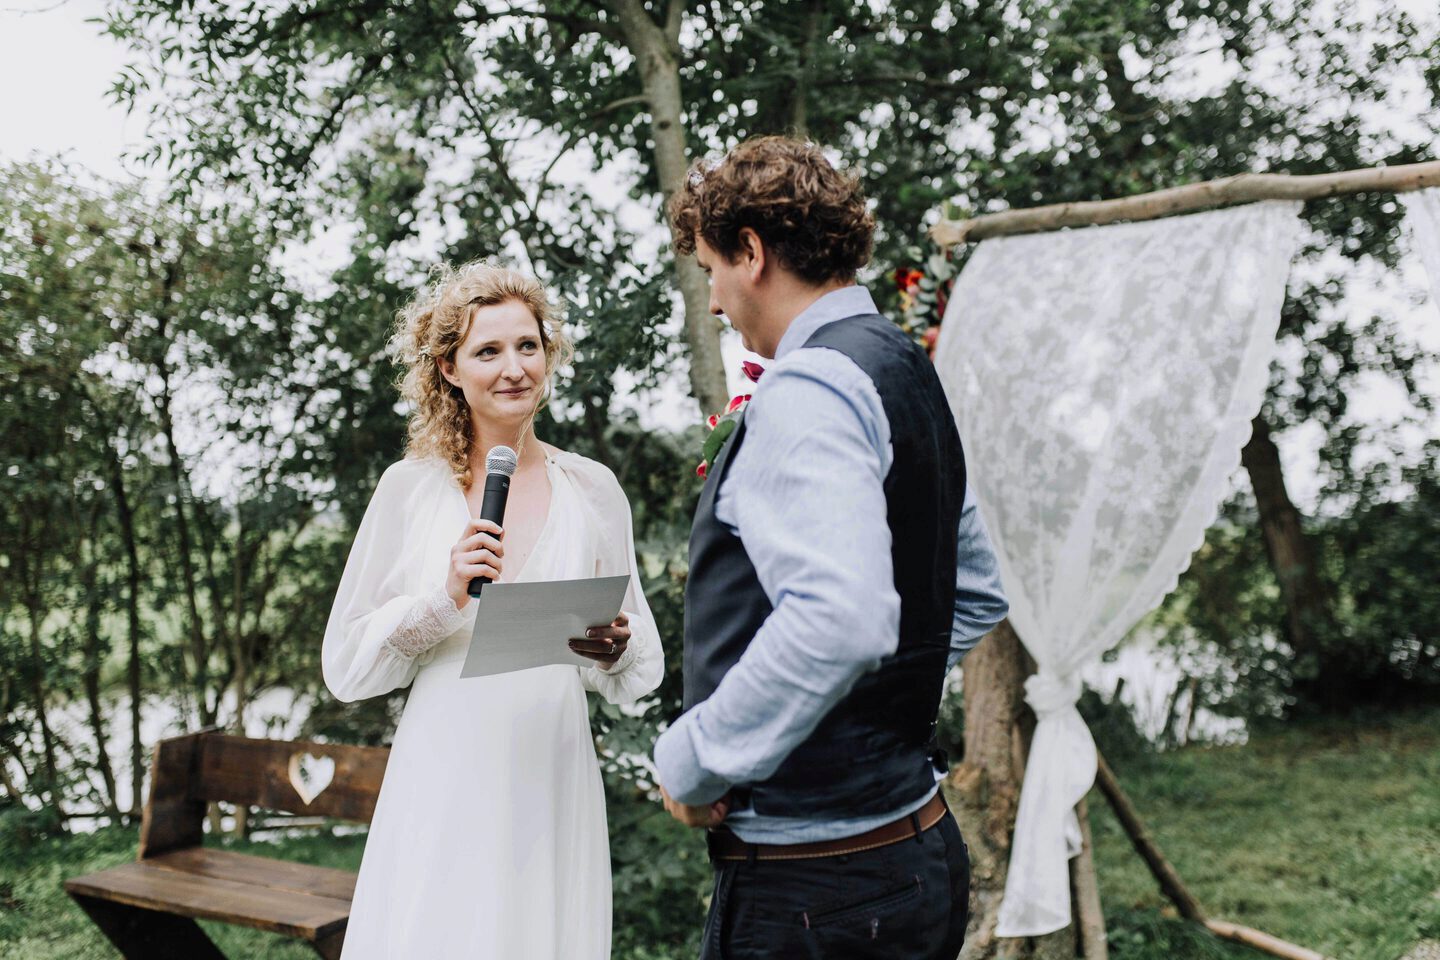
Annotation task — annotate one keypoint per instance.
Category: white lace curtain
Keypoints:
(1104, 380)
(1422, 213)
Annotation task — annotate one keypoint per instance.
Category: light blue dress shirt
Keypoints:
(804, 492)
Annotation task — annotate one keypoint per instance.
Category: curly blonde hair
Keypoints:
(433, 325)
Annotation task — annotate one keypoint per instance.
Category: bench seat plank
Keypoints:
(291, 908)
(261, 871)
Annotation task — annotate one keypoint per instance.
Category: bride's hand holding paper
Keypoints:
(533, 623)
(605, 644)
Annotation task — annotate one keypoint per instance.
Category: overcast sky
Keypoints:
(56, 69)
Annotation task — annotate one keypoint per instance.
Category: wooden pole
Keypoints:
(1170, 883)
(985, 787)
(1085, 892)
(1261, 941)
(1244, 188)
(1174, 888)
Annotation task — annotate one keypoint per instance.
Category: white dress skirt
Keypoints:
(489, 838)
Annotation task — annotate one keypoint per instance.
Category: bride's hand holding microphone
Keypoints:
(476, 557)
(477, 554)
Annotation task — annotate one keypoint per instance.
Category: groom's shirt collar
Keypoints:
(836, 305)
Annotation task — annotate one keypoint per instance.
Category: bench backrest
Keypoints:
(296, 776)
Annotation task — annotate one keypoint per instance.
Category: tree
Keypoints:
(408, 85)
(465, 114)
(113, 309)
(50, 480)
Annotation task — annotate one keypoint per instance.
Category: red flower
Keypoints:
(752, 370)
(721, 425)
(907, 279)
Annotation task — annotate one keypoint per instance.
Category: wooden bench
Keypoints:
(148, 908)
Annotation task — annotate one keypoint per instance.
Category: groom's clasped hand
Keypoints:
(703, 816)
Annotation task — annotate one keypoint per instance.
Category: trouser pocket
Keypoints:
(868, 911)
(894, 921)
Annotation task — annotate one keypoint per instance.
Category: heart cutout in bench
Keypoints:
(310, 775)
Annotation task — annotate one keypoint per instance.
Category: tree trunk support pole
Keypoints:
(1244, 188)
(1089, 918)
(1171, 884)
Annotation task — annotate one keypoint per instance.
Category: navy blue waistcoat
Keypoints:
(873, 752)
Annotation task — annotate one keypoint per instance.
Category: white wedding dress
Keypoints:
(489, 838)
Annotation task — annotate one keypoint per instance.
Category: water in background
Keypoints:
(1150, 675)
(277, 713)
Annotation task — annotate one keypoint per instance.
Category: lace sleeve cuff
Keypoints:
(623, 664)
(628, 657)
(431, 619)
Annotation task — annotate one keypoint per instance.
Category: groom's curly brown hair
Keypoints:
(809, 215)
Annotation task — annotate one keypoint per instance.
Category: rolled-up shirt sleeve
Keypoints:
(812, 518)
(980, 601)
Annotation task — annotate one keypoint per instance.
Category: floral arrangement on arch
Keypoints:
(924, 294)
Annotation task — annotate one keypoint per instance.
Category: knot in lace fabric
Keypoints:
(1048, 693)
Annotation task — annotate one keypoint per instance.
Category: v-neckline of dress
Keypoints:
(544, 527)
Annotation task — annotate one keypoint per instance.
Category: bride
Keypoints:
(489, 837)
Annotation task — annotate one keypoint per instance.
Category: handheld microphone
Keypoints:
(500, 464)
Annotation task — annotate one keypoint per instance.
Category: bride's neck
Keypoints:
(487, 435)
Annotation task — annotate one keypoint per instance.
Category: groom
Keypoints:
(837, 570)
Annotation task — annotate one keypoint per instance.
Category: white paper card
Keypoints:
(530, 624)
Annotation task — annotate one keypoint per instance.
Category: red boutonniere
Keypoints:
(723, 424)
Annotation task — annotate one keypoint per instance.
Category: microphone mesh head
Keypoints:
(501, 460)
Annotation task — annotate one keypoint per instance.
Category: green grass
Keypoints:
(1324, 835)
(1328, 836)
(39, 922)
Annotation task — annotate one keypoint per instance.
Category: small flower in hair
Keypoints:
(424, 350)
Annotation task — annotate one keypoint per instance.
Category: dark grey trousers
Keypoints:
(906, 901)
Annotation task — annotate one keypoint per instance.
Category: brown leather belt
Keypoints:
(724, 845)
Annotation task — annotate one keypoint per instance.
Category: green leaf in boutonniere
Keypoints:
(723, 424)
(717, 438)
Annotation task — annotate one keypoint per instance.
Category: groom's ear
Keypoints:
(751, 255)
